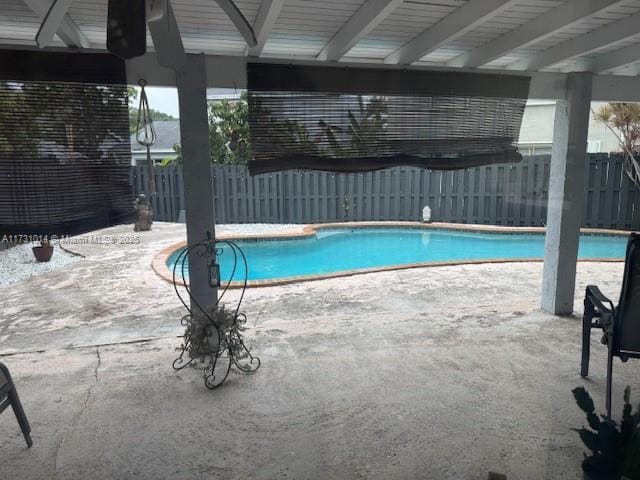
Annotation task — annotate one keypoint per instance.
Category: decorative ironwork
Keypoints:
(213, 334)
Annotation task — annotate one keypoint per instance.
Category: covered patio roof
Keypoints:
(544, 37)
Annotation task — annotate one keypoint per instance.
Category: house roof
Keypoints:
(167, 135)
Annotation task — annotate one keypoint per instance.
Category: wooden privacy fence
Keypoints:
(506, 194)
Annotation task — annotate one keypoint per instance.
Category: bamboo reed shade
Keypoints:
(65, 156)
(360, 119)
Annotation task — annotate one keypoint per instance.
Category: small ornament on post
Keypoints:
(426, 214)
(144, 214)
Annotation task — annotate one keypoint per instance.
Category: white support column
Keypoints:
(196, 170)
(566, 191)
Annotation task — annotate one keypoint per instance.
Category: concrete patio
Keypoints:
(444, 373)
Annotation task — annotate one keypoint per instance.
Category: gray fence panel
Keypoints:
(514, 194)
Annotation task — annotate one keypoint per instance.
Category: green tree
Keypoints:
(228, 132)
(278, 131)
(67, 111)
(13, 108)
(624, 120)
(132, 93)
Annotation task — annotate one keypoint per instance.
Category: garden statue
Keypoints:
(144, 214)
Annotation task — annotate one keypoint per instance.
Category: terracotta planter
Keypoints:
(43, 253)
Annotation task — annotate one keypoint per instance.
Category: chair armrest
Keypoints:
(598, 300)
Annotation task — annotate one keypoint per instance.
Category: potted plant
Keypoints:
(614, 448)
(203, 337)
(43, 252)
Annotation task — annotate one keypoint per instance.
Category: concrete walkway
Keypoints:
(442, 373)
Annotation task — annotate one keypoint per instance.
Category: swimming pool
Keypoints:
(334, 251)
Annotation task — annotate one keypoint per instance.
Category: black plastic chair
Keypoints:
(9, 396)
(621, 324)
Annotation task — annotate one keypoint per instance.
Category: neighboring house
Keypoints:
(167, 135)
(217, 94)
(537, 130)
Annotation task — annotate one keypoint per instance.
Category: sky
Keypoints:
(163, 99)
(166, 99)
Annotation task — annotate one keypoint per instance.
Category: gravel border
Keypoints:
(18, 263)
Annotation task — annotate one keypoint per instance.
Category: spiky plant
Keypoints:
(624, 120)
(614, 450)
(630, 431)
(365, 131)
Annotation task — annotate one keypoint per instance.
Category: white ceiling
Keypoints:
(602, 36)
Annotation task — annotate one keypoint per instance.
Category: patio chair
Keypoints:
(9, 396)
(621, 324)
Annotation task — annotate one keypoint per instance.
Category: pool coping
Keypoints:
(159, 262)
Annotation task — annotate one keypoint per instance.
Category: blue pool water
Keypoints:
(336, 250)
